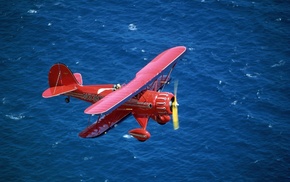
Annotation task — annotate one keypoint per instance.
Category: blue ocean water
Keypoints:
(234, 89)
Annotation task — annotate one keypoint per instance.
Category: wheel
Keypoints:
(67, 100)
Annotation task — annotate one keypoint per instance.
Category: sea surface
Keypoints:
(233, 93)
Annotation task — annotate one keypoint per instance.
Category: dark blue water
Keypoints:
(234, 89)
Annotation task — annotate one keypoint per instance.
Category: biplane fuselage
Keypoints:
(142, 97)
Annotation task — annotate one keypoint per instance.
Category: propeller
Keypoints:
(174, 108)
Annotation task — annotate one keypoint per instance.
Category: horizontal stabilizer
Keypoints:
(58, 90)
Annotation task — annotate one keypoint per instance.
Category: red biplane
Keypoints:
(142, 97)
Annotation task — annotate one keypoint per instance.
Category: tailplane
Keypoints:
(61, 80)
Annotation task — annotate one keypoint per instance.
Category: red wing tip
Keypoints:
(179, 47)
(88, 111)
(92, 111)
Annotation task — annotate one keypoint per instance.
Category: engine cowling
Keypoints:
(163, 103)
(161, 119)
(152, 103)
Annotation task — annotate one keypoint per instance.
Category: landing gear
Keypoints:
(140, 134)
(67, 100)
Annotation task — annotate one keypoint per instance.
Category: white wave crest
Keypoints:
(32, 11)
(254, 75)
(15, 117)
(127, 136)
(281, 63)
(132, 27)
(4, 101)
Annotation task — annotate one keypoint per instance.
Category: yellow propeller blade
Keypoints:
(174, 108)
(175, 114)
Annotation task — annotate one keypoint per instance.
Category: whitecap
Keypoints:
(32, 11)
(87, 158)
(258, 94)
(281, 63)
(15, 117)
(55, 144)
(4, 101)
(251, 75)
(132, 27)
(234, 102)
(134, 48)
(127, 136)
(270, 126)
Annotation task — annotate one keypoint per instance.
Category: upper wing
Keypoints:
(143, 78)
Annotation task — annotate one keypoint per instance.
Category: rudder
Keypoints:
(61, 80)
(61, 75)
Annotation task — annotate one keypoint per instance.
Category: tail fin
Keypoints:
(61, 80)
(61, 75)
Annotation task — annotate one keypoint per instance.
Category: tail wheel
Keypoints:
(67, 100)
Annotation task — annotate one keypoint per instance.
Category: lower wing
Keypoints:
(105, 123)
